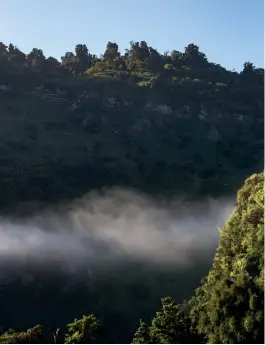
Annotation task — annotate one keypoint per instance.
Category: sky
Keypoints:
(229, 32)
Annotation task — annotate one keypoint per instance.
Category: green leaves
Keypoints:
(31, 336)
(82, 331)
(231, 310)
(169, 326)
(228, 307)
(143, 335)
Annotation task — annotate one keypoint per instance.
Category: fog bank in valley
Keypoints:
(114, 226)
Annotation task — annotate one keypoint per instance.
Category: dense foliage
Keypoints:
(228, 308)
(81, 331)
(166, 124)
(170, 326)
(163, 123)
(31, 335)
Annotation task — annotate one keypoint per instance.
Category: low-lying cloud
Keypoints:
(119, 225)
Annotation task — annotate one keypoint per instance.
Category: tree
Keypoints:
(112, 51)
(31, 336)
(144, 51)
(142, 335)
(83, 60)
(194, 57)
(248, 67)
(177, 58)
(36, 58)
(171, 325)
(229, 306)
(252, 74)
(69, 61)
(3, 57)
(16, 57)
(3, 48)
(155, 61)
(82, 331)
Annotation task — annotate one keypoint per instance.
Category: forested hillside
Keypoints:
(172, 126)
(162, 123)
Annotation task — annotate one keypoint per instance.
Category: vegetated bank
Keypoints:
(166, 124)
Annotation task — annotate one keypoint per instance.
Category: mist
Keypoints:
(113, 227)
